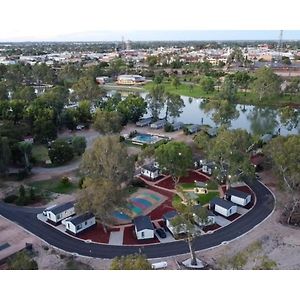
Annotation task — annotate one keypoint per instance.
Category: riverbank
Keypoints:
(248, 98)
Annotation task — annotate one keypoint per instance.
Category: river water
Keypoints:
(254, 119)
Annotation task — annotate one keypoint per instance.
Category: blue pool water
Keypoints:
(145, 138)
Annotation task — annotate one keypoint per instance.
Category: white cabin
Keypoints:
(143, 228)
(59, 212)
(150, 171)
(238, 197)
(79, 223)
(223, 207)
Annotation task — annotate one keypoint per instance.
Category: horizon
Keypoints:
(166, 36)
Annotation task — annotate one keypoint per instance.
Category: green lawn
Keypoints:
(55, 186)
(40, 153)
(211, 185)
(202, 199)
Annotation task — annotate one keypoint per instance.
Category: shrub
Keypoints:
(79, 144)
(137, 182)
(11, 198)
(22, 191)
(132, 134)
(65, 180)
(186, 131)
(60, 152)
(122, 139)
(168, 127)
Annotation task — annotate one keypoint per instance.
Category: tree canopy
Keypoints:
(107, 122)
(175, 158)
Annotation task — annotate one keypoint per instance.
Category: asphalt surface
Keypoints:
(26, 217)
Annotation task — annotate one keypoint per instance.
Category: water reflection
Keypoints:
(256, 120)
(263, 120)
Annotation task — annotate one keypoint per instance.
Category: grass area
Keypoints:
(243, 98)
(202, 199)
(185, 90)
(40, 153)
(211, 185)
(55, 186)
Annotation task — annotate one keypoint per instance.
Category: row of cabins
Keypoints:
(227, 207)
(65, 214)
(158, 124)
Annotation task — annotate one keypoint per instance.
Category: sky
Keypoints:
(57, 20)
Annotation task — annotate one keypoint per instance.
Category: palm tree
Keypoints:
(26, 148)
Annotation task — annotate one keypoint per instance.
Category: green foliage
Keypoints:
(108, 159)
(207, 84)
(174, 105)
(22, 261)
(175, 158)
(132, 108)
(130, 262)
(228, 89)
(65, 180)
(168, 127)
(266, 84)
(79, 144)
(5, 154)
(22, 192)
(60, 152)
(87, 88)
(155, 100)
(107, 122)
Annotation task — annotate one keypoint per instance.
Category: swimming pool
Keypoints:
(144, 138)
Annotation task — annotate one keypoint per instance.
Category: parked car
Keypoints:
(161, 233)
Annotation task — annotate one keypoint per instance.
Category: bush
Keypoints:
(186, 131)
(11, 198)
(132, 134)
(65, 180)
(122, 139)
(168, 127)
(79, 144)
(60, 152)
(137, 182)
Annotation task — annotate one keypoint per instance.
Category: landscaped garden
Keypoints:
(56, 185)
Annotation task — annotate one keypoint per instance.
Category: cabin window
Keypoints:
(143, 234)
(85, 223)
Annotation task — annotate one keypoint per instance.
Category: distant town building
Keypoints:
(130, 79)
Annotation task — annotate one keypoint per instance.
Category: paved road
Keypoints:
(26, 217)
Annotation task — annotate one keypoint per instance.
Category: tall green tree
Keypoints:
(26, 149)
(84, 111)
(175, 158)
(228, 89)
(174, 105)
(3, 91)
(102, 197)
(107, 122)
(266, 84)
(132, 108)
(176, 82)
(229, 153)
(25, 93)
(86, 88)
(5, 154)
(155, 100)
(108, 159)
(188, 213)
(207, 84)
(130, 262)
(284, 154)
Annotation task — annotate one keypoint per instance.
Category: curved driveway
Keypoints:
(26, 217)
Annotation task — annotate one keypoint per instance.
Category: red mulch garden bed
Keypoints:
(192, 176)
(166, 206)
(96, 234)
(152, 180)
(129, 238)
(211, 227)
